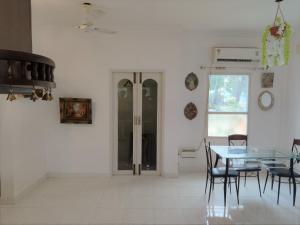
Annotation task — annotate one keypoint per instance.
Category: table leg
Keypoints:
(295, 191)
(225, 180)
(294, 180)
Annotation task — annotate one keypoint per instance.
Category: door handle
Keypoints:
(133, 169)
(135, 120)
(138, 120)
(134, 78)
(141, 77)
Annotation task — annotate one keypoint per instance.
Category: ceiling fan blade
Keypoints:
(87, 25)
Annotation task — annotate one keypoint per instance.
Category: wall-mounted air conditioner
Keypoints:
(236, 55)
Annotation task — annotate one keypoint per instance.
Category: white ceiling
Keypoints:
(170, 15)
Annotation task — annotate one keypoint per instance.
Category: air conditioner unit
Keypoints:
(236, 55)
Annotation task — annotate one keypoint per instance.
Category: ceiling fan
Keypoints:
(88, 25)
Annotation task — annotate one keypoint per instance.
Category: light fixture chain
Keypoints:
(279, 11)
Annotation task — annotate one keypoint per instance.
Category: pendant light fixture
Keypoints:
(47, 95)
(34, 95)
(27, 74)
(11, 96)
(276, 41)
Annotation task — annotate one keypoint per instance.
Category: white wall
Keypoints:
(6, 157)
(33, 142)
(84, 67)
(24, 135)
(264, 127)
(292, 118)
(84, 64)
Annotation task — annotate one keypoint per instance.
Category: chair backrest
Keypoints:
(242, 139)
(296, 143)
(208, 156)
(295, 150)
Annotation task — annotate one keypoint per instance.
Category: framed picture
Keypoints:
(191, 81)
(267, 80)
(75, 110)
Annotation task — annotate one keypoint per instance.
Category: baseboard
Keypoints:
(29, 188)
(170, 175)
(7, 201)
(198, 173)
(74, 175)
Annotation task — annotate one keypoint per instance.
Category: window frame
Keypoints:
(228, 73)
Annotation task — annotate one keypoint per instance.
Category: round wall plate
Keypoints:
(190, 111)
(191, 81)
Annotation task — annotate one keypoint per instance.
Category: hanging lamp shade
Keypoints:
(276, 41)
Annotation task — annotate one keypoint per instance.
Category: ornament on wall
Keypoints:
(265, 100)
(190, 111)
(75, 110)
(267, 80)
(276, 41)
(191, 81)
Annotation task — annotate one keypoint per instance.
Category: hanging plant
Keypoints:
(276, 42)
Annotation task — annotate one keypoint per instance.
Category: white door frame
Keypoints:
(137, 129)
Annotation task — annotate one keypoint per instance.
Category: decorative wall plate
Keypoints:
(190, 111)
(265, 100)
(191, 81)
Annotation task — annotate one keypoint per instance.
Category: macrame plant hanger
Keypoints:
(276, 41)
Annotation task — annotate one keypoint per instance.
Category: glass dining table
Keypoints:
(249, 153)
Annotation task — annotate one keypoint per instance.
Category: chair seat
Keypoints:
(274, 165)
(220, 172)
(252, 161)
(283, 172)
(248, 167)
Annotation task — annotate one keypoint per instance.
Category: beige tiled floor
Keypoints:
(147, 200)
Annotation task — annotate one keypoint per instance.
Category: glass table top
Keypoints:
(243, 152)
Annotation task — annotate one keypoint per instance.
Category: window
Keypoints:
(227, 105)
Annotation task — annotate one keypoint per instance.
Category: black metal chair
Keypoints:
(280, 170)
(249, 166)
(213, 173)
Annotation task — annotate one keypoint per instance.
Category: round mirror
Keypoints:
(266, 100)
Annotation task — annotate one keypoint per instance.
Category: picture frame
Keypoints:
(75, 110)
(267, 80)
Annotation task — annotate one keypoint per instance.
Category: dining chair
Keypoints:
(273, 164)
(214, 173)
(248, 166)
(281, 170)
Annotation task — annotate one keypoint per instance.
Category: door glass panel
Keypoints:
(149, 126)
(125, 124)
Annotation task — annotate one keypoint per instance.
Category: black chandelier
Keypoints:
(26, 74)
